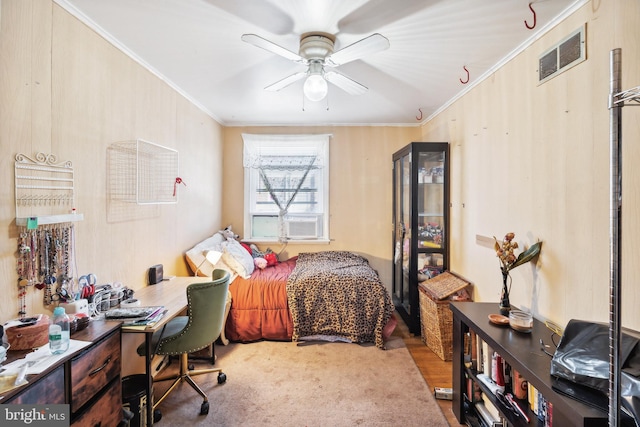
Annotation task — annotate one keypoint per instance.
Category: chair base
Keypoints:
(185, 375)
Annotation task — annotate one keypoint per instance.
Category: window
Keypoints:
(286, 187)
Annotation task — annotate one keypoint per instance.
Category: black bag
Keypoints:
(582, 357)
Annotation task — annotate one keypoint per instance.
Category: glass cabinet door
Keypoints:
(402, 236)
(420, 221)
(430, 208)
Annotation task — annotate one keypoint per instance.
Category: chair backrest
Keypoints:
(206, 306)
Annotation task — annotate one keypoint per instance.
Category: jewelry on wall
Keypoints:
(44, 256)
(45, 214)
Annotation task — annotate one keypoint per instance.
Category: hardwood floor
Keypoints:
(436, 372)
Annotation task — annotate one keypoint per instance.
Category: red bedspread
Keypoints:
(259, 308)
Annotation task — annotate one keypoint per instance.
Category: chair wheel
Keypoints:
(222, 378)
(204, 408)
(191, 367)
(157, 415)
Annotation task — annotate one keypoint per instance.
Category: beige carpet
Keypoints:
(307, 384)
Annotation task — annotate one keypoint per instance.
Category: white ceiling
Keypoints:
(195, 46)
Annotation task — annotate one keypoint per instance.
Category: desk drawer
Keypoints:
(49, 390)
(106, 411)
(93, 370)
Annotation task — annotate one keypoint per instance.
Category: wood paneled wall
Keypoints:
(534, 160)
(68, 92)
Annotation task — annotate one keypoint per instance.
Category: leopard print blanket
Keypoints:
(337, 293)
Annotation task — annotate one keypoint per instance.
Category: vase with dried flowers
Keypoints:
(505, 252)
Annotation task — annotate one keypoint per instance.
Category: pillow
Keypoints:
(237, 258)
(247, 248)
(196, 255)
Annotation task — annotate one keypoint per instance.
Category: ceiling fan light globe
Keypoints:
(315, 88)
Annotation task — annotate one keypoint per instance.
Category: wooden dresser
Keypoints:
(87, 380)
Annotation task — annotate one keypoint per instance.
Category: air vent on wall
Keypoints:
(566, 54)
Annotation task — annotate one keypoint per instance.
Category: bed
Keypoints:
(328, 295)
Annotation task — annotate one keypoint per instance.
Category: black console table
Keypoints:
(523, 352)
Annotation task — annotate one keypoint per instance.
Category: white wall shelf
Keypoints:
(50, 219)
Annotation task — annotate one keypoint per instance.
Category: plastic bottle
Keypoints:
(59, 331)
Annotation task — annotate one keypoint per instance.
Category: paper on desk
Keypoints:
(43, 358)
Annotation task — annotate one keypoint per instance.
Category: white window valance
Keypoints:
(302, 151)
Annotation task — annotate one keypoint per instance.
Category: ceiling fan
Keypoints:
(316, 52)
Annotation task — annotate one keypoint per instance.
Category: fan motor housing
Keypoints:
(316, 45)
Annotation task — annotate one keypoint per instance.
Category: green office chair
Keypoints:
(185, 334)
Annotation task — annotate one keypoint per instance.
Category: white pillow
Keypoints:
(196, 255)
(238, 258)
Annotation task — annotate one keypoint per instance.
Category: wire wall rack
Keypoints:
(143, 172)
(44, 187)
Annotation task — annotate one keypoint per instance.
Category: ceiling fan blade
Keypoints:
(271, 47)
(377, 14)
(348, 85)
(367, 46)
(286, 81)
(260, 13)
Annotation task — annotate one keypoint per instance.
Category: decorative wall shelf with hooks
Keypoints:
(44, 190)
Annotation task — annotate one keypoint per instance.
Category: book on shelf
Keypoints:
(487, 353)
(531, 395)
(471, 350)
(479, 355)
(489, 413)
(474, 392)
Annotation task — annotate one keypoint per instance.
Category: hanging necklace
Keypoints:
(24, 255)
(60, 246)
(33, 260)
(49, 280)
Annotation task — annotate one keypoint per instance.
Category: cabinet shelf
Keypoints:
(521, 351)
(515, 421)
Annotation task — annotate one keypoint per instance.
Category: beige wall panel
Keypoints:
(15, 131)
(200, 197)
(360, 189)
(534, 159)
(83, 96)
(121, 101)
(41, 74)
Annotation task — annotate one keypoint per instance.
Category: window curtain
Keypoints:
(298, 154)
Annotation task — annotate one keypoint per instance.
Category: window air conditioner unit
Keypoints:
(301, 227)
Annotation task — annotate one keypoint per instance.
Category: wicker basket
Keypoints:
(436, 319)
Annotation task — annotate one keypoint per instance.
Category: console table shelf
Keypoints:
(520, 350)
